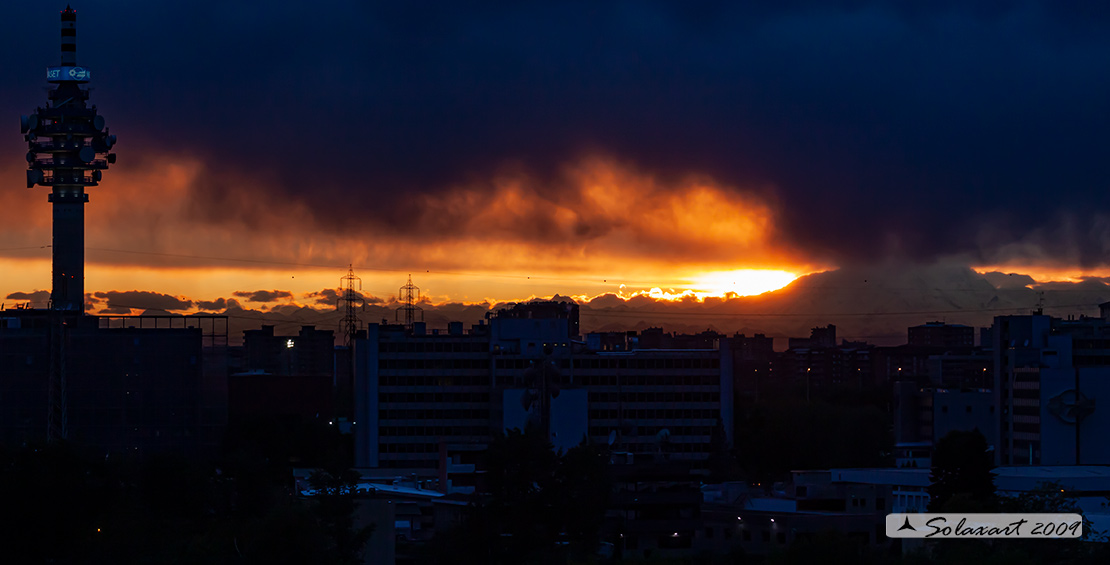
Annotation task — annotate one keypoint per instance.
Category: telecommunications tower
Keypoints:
(68, 148)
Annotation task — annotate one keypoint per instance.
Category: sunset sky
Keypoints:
(580, 148)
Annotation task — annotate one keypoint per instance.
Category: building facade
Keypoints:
(428, 401)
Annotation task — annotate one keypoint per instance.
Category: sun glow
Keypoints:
(741, 282)
(1042, 274)
(718, 284)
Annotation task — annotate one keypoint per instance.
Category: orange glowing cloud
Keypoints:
(190, 229)
(1040, 274)
(602, 211)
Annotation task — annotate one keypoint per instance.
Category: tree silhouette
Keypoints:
(539, 506)
(962, 473)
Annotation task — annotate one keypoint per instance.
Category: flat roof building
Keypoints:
(425, 402)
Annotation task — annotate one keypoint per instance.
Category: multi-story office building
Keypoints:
(308, 353)
(428, 401)
(940, 334)
(1048, 374)
(818, 368)
(752, 363)
(922, 416)
(121, 384)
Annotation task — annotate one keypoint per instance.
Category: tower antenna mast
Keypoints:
(68, 147)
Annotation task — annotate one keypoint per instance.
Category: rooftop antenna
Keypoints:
(1040, 303)
(351, 323)
(408, 295)
(68, 149)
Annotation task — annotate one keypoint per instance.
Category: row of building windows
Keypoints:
(579, 362)
(408, 448)
(601, 414)
(408, 463)
(1079, 344)
(456, 379)
(1090, 360)
(434, 397)
(433, 431)
(967, 409)
(634, 364)
(448, 364)
(434, 380)
(654, 396)
(602, 431)
(699, 449)
(435, 413)
(434, 346)
(457, 364)
(648, 380)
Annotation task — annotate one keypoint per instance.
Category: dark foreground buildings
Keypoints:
(117, 389)
(428, 403)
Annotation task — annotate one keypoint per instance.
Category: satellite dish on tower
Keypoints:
(612, 437)
(34, 176)
(98, 122)
(87, 154)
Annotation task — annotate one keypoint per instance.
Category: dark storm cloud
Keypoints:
(217, 304)
(330, 296)
(34, 297)
(141, 300)
(1008, 280)
(921, 129)
(264, 295)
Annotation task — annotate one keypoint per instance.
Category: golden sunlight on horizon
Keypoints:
(718, 284)
(1041, 275)
(210, 283)
(741, 282)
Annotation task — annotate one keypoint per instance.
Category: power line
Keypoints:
(324, 316)
(603, 279)
(23, 248)
(362, 268)
(594, 280)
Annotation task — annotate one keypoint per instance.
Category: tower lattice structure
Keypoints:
(351, 323)
(408, 295)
